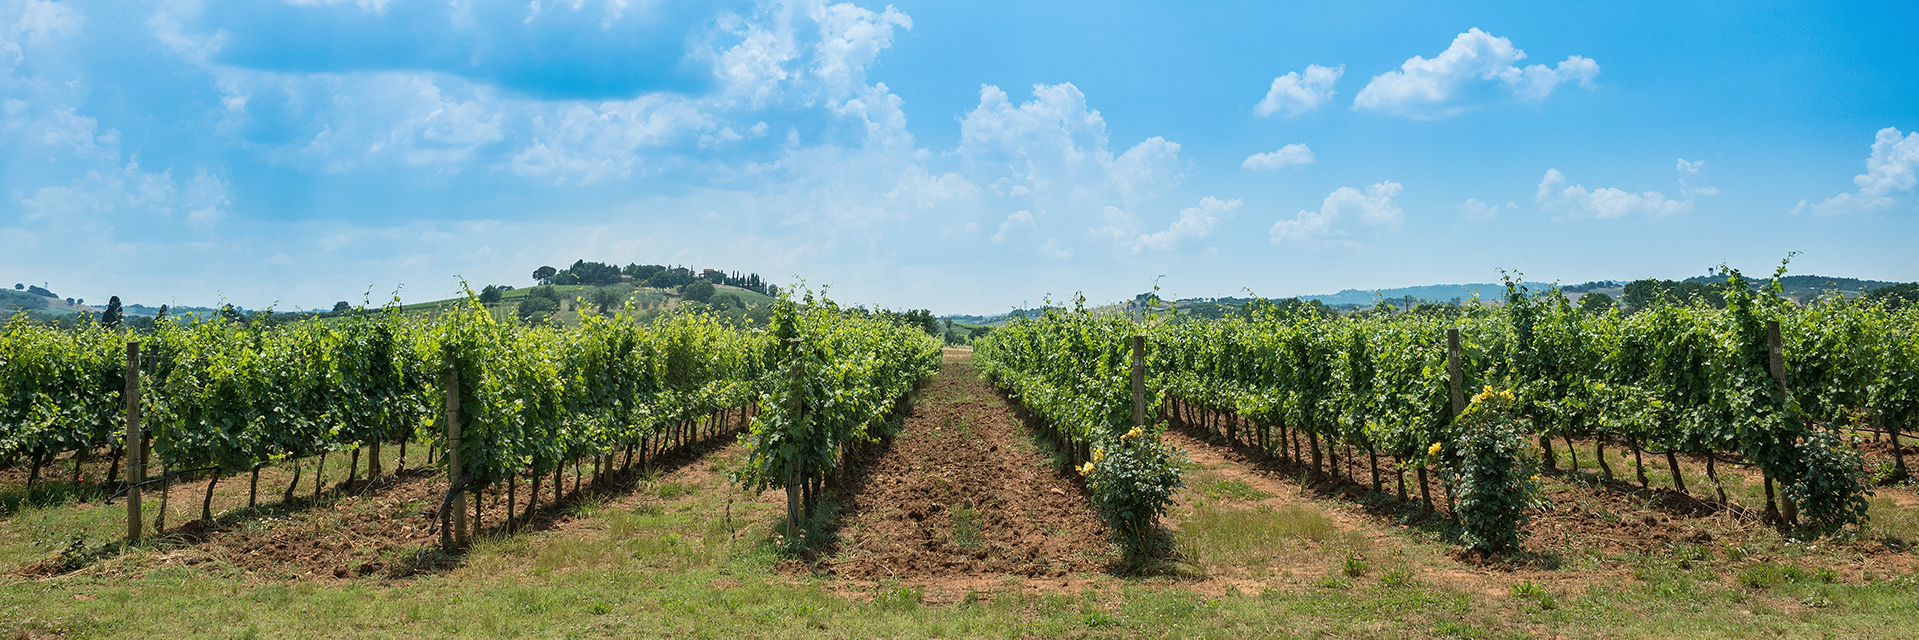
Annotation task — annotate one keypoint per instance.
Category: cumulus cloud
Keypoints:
(1056, 143)
(1477, 68)
(1892, 169)
(1016, 218)
(1291, 155)
(1473, 209)
(1604, 202)
(1374, 207)
(1296, 93)
(1193, 222)
(1052, 159)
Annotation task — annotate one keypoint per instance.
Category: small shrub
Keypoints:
(1133, 478)
(1491, 472)
(1354, 565)
(1831, 490)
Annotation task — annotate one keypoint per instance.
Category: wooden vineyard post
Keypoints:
(797, 373)
(1777, 356)
(456, 537)
(1454, 373)
(136, 442)
(1139, 380)
(1456, 379)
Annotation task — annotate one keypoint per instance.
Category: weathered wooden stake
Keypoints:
(1777, 355)
(453, 471)
(797, 379)
(1139, 380)
(136, 442)
(1455, 374)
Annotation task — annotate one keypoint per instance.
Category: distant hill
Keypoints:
(1807, 287)
(1431, 292)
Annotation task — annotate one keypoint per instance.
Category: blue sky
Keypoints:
(965, 157)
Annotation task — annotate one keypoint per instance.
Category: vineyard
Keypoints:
(495, 403)
(1463, 393)
(844, 459)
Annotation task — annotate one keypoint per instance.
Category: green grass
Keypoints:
(689, 559)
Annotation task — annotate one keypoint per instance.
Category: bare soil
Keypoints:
(380, 528)
(963, 492)
(1590, 517)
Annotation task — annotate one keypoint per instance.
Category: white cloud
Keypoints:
(1055, 146)
(1296, 93)
(1605, 202)
(1478, 67)
(154, 197)
(1692, 169)
(1021, 217)
(1050, 160)
(1374, 206)
(26, 24)
(1893, 168)
(1473, 209)
(1291, 155)
(1193, 222)
(1052, 250)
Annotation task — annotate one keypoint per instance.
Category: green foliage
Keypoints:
(1831, 490)
(832, 381)
(1073, 370)
(1133, 479)
(535, 309)
(1491, 473)
(697, 291)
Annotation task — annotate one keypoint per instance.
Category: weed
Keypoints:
(966, 523)
(1527, 589)
(1451, 629)
(1354, 565)
(1334, 582)
(1232, 490)
(1766, 575)
(901, 598)
(1397, 577)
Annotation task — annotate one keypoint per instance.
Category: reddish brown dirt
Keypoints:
(962, 492)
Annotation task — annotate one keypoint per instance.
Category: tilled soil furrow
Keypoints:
(961, 491)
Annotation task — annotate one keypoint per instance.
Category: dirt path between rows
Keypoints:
(962, 498)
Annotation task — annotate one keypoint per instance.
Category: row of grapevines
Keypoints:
(839, 378)
(1674, 379)
(1073, 371)
(59, 390)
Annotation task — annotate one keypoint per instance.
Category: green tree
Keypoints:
(342, 307)
(1596, 303)
(1895, 296)
(536, 309)
(606, 298)
(544, 275)
(697, 291)
(490, 294)
(112, 316)
(726, 300)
